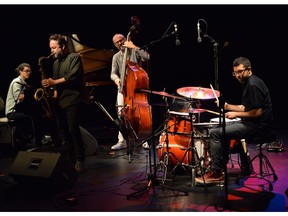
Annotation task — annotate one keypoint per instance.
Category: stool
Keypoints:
(4, 121)
(266, 171)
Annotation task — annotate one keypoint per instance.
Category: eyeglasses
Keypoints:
(27, 71)
(239, 72)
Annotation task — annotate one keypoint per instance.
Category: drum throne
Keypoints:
(264, 171)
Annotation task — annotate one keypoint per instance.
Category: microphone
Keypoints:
(177, 41)
(199, 40)
(24, 85)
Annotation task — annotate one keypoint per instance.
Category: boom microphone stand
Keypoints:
(152, 180)
(226, 204)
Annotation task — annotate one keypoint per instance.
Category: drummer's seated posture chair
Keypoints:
(265, 171)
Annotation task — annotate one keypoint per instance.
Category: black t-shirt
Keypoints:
(256, 95)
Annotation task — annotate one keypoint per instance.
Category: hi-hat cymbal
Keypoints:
(186, 112)
(197, 92)
(162, 93)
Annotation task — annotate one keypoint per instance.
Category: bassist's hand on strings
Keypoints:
(129, 44)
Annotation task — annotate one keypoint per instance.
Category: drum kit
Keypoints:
(181, 144)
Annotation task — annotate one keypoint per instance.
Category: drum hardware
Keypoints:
(179, 137)
(192, 150)
(152, 180)
(165, 159)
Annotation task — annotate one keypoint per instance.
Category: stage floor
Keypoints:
(135, 181)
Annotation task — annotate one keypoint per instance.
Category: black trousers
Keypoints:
(69, 119)
(24, 127)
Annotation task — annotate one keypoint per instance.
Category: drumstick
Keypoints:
(210, 111)
(214, 93)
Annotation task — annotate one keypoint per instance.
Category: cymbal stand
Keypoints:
(152, 176)
(153, 181)
(198, 105)
(165, 159)
(193, 165)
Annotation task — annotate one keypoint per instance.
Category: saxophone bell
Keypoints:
(39, 94)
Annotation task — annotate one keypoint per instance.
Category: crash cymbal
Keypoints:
(162, 93)
(197, 92)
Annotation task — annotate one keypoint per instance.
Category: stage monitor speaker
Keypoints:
(43, 171)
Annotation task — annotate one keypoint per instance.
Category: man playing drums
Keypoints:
(256, 116)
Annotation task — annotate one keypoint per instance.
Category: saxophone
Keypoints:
(43, 94)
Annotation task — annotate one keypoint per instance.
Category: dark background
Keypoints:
(254, 31)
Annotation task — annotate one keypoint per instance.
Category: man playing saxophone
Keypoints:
(68, 80)
(47, 97)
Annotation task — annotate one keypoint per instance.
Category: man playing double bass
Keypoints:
(134, 54)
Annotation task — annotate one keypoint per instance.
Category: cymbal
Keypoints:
(197, 92)
(162, 93)
(186, 112)
(198, 110)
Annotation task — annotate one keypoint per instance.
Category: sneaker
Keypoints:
(145, 145)
(80, 167)
(119, 145)
(210, 178)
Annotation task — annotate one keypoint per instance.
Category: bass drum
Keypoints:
(178, 154)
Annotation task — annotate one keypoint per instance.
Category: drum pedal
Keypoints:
(276, 146)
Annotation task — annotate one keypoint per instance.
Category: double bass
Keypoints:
(138, 111)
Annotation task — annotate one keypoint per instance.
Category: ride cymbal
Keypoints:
(197, 92)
